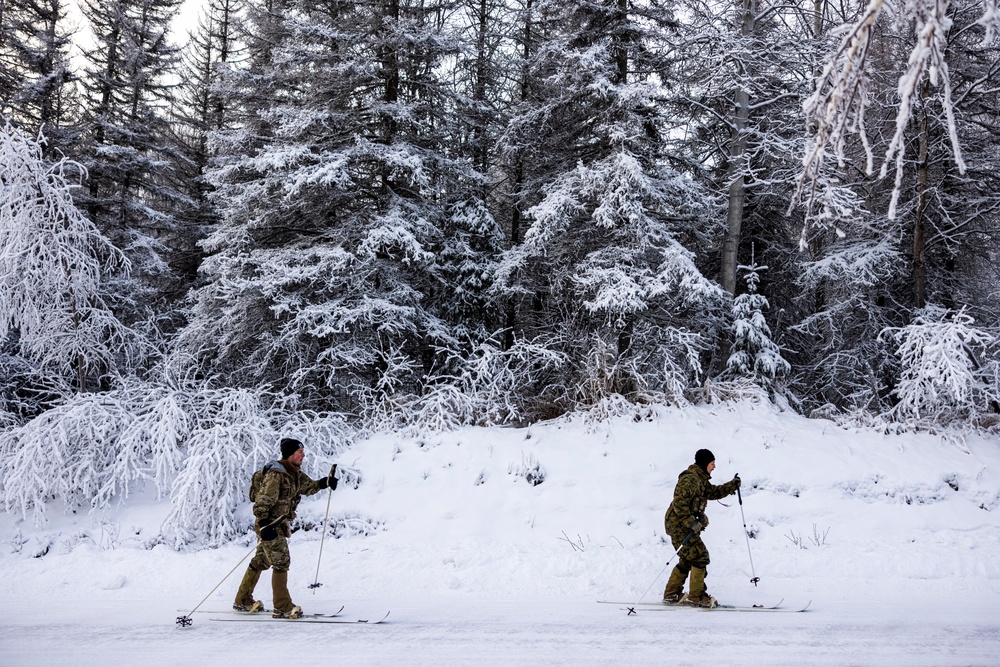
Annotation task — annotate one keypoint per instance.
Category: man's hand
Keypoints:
(737, 481)
(268, 533)
(697, 527)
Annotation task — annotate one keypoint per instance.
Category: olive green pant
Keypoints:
(270, 554)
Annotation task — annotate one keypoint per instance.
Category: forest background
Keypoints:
(330, 219)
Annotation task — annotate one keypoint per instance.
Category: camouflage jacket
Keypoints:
(280, 491)
(691, 495)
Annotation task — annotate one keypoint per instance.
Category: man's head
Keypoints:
(292, 451)
(705, 460)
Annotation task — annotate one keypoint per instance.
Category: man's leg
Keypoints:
(281, 560)
(244, 596)
(699, 559)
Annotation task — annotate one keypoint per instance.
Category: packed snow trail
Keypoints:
(445, 631)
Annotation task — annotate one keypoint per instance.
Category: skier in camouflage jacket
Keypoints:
(275, 502)
(686, 518)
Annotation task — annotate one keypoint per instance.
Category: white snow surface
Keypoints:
(895, 540)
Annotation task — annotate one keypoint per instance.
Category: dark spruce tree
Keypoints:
(131, 157)
(345, 262)
(604, 269)
(37, 91)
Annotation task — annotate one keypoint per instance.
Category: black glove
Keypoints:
(737, 482)
(697, 526)
(331, 481)
(268, 533)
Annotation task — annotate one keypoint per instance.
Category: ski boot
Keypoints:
(703, 600)
(295, 612)
(254, 608)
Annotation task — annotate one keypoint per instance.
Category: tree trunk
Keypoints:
(919, 268)
(737, 182)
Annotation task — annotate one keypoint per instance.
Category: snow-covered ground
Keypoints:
(894, 539)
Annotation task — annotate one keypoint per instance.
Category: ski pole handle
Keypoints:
(739, 495)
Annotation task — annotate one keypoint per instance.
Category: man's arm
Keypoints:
(309, 486)
(713, 492)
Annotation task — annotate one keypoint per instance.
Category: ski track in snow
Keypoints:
(895, 539)
(462, 632)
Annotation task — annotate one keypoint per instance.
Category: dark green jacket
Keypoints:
(691, 495)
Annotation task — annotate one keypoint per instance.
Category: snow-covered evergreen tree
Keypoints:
(350, 239)
(604, 268)
(36, 91)
(754, 354)
(202, 108)
(130, 192)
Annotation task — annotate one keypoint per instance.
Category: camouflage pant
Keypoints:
(272, 553)
(694, 553)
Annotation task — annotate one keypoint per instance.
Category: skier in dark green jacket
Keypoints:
(686, 518)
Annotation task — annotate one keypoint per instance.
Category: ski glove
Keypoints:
(268, 533)
(737, 482)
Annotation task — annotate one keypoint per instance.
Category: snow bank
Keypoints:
(566, 512)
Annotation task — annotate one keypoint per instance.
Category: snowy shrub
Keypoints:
(68, 453)
(499, 378)
(486, 387)
(617, 406)
(529, 468)
(214, 482)
(344, 525)
(197, 443)
(940, 379)
(735, 390)
(349, 476)
(225, 451)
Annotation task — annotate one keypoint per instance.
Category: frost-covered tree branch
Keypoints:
(843, 90)
(52, 266)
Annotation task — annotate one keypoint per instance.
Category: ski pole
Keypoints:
(315, 584)
(185, 621)
(746, 533)
(631, 610)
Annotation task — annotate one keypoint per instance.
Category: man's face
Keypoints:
(297, 457)
(710, 467)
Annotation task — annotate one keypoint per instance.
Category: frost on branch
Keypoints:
(941, 379)
(194, 442)
(837, 107)
(53, 263)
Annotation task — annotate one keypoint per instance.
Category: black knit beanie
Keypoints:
(702, 458)
(289, 446)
